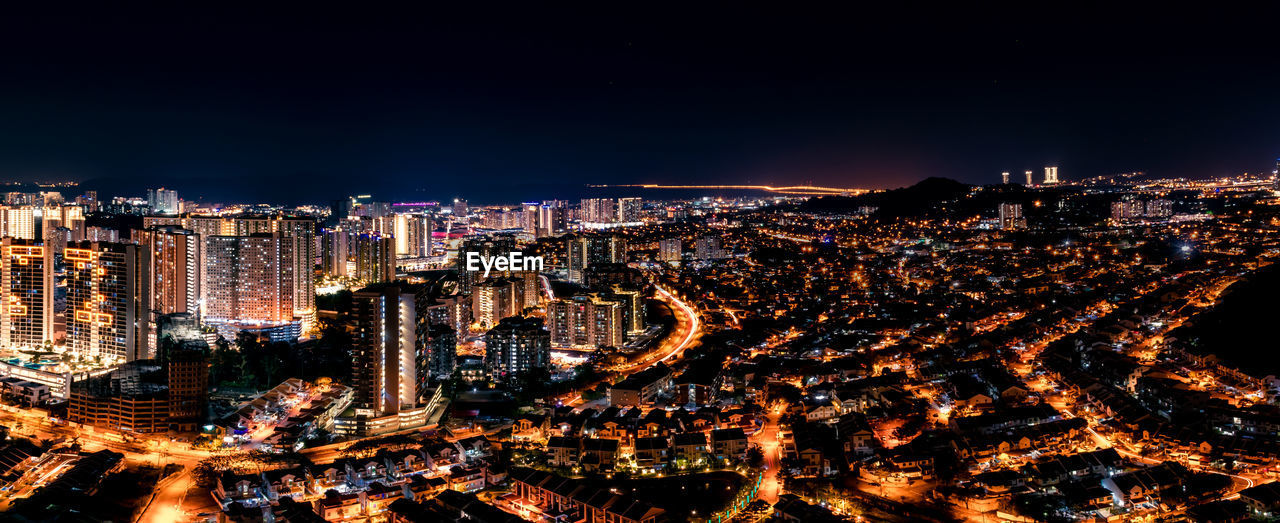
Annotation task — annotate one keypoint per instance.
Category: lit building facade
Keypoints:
(27, 288)
(1011, 216)
(592, 249)
(708, 248)
(302, 230)
(516, 345)
(104, 314)
(252, 282)
(384, 348)
(69, 217)
(413, 235)
(629, 210)
(19, 222)
(163, 201)
(551, 218)
(495, 299)
(599, 210)
(367, 257)
(386, 353)
(173, 267)
(1050, 175)
(441, 353)
(586, 321)
(670, 250)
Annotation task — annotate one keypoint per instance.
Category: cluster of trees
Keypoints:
(253, 363)
(369, 447)
(536, 383)
(208, 470)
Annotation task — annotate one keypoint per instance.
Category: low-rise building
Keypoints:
(641, 388)
(729, 444)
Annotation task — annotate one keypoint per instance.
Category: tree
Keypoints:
(227, 364)
(755, 457)
(370, 447)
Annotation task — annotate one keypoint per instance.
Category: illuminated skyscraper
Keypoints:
(18, 222)
(629, 210)
(250, 281)
(586, 321)
(1050, 175)
(529, 217)
(105, 317)
(1124, 210)
(599, 210)
(1159, 208)
(368, 257)
(1029, 181)
(336, 251)
(413, 235)
(516, 345)
(1011, 216)
(89, 200)
(163, 201)
(551, 218)
(441, 352)
(101, 234)
(385, 348)
(669, 250)
(708, 248)
(374, 258)
(173, 262)
(390, 383)
(1004, 177)
(301, 230)
(632, 301)
(495, 299)
(592, 249)
(170, 258)
(26, 286)
(70, 217)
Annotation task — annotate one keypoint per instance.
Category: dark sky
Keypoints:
(510, 104)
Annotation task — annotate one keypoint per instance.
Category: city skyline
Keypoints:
(639, 264)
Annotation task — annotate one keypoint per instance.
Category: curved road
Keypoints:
(687, 330)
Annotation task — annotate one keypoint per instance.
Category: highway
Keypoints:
(687, 331)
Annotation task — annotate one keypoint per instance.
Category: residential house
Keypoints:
(729, 444)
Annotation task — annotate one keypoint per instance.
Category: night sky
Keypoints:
(510, 105)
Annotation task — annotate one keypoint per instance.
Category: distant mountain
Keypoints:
(918, 199)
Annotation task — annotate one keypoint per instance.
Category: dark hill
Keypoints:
(915, 200)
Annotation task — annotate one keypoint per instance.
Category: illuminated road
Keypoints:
(170, 494)
(1238, 482)
(792, 189)
(689, 324)
(546, 287)
(687, 329)
(684, 334)
(767, 439)
(167, 504)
